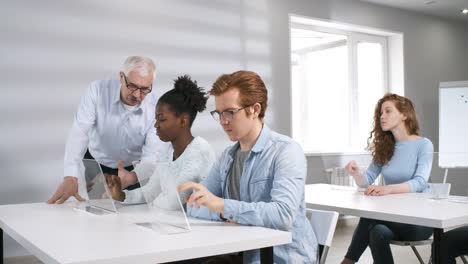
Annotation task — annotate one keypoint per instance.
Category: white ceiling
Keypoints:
(442, 8)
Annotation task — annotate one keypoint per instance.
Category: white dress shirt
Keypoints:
(110, 131)
(192, 165)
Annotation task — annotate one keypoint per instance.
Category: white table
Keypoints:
(409, 208)
(60, 234)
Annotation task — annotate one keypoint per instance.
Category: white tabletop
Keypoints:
(409, 208)
(60, 234)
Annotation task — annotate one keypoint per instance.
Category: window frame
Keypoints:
(352, 41)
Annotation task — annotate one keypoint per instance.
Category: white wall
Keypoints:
(51, 50)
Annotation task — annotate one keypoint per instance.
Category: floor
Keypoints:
(343, 234)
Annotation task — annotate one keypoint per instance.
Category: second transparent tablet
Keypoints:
(164, 202)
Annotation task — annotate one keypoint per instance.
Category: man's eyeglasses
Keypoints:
(132, 87)
(226, 115)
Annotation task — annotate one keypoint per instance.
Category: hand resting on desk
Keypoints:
(377, 190)
(69, 187)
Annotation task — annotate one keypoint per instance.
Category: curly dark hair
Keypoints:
(185, 97)
(382, 143)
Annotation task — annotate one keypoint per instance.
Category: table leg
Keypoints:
(1, 246)
(266, 255)
(439, 250)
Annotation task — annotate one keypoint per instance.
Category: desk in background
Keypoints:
(409, 208)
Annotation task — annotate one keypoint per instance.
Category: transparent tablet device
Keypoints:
(99, 200)
(163, 201)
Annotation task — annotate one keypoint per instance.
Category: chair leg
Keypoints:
(323, 257)
(464, 259)
(417, 254)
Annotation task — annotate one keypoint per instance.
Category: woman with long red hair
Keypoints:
(404, 159)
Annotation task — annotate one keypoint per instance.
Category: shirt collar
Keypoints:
(262, 139)
(261, 143)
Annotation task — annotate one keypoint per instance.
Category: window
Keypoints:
(337, 76)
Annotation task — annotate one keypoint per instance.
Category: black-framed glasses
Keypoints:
(226, 115)
(133, 87)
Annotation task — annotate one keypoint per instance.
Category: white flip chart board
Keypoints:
(453, 124)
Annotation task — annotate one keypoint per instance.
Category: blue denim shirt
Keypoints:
(271, 195)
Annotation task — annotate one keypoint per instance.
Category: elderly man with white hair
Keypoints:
(113, 125)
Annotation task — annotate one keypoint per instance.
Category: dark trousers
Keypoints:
(113, 171)
(377, 235)
(221, 259)
(457, 243)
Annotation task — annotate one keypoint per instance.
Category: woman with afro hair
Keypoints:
(187, 158)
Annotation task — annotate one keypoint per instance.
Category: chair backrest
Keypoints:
(324, 224)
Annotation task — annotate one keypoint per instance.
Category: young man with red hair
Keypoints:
(260, 179)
